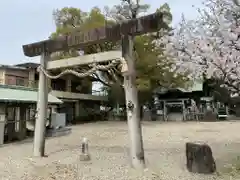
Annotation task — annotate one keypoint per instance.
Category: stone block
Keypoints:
(199, 158)
(85, 157)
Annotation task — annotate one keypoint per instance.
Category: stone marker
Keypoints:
(199, 158)
(85, 156)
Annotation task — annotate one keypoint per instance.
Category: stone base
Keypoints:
(210, 116)
(58, 132)
(85, 157)
(178, 117)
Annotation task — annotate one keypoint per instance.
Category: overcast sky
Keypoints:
(27, 21)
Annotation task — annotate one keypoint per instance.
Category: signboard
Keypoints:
(78, 39)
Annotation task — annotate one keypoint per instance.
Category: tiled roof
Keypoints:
(28, 65)
(23, 94)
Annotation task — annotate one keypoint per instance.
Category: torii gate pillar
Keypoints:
(42, 106)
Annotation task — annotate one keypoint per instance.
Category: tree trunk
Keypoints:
(132, 104)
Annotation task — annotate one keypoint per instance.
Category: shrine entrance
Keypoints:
(125, 32)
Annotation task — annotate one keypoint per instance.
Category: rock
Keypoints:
(199, 158)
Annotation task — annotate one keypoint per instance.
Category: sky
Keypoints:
(28, 21)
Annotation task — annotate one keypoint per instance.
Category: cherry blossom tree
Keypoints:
(209, 46)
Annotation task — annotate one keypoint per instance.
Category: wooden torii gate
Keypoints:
(78, 39)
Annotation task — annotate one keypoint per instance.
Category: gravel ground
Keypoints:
(164, 152)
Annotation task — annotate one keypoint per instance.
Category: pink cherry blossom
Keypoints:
(209, 44)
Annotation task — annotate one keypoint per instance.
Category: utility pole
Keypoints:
(40, 123)
(133, 111)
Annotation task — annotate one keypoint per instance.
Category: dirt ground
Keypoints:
(164, 145)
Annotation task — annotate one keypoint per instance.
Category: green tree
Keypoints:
(152, 69)
(66, 20)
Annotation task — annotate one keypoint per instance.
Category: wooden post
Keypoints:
(164, 110)
(40, 124)
(133, 113)
(184, 110)
(68, 84)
